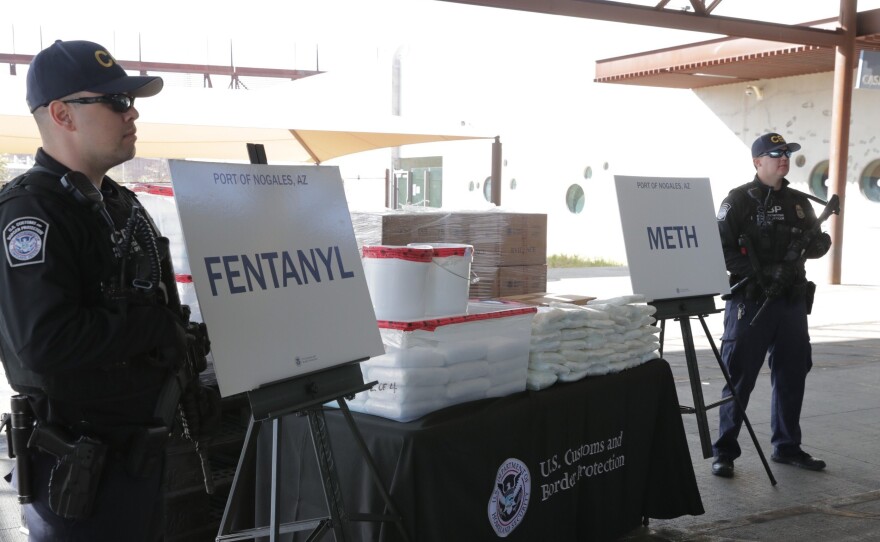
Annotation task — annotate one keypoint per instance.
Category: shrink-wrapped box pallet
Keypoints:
(510, 249)
(432, 364)
(493, 282)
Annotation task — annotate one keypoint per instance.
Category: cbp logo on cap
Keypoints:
(104, 58)
(25, 241)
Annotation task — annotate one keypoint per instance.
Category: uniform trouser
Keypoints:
(126, 508)
(782, 331)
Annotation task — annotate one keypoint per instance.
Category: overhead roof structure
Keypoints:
(733, 60)
(235, 73)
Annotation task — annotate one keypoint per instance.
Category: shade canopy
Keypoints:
(216, 124)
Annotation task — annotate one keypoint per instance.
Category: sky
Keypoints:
(280, 33)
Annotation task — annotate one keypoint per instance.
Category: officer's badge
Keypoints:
(722, 212)
(800, 211)
(25, 241)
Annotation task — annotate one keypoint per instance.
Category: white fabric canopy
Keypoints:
(217, 124)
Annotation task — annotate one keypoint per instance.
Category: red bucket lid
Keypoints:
(432, 324)
(411, 254)
(156, 189)
(446, 252)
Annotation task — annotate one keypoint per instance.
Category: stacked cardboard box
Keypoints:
(510, 249)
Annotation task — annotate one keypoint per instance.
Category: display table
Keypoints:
(579, 461)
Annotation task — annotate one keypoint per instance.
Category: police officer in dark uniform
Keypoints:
(761, 223)
(89, 314)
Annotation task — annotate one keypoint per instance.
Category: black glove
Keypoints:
(779, 275)
(819, 247)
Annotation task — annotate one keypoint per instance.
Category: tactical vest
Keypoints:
(770, 239)
(115, 382)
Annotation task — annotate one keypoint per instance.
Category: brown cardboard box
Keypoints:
(508, 280)
(499, 239)
(522, 279)
(506, 239)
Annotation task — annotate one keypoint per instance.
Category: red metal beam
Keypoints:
(666, 18)
(172, 67)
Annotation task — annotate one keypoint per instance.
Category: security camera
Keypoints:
(752, 90)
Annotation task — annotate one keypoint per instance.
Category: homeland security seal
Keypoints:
(510, 498)
(25, 241)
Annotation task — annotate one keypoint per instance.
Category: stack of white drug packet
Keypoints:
(570, 342)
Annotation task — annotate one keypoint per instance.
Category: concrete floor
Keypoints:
(840, 422)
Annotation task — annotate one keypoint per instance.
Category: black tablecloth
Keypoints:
(601, 453)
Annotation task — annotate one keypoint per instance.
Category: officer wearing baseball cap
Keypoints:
(772, 142)
(67, 67)
(763, 221)
(90, 325)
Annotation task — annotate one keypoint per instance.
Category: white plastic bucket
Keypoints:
(397, 277)
(449, 279)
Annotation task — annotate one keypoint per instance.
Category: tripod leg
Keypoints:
(662, 335)
(275, 511)
(374, 472)
(699, 409)
(329, 476)
(742, 411)
(246, 458)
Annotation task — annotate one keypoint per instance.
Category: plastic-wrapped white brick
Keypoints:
(570, 342)
(432, 364)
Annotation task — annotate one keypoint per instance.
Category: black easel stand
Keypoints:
(307, 395)
(683, 309)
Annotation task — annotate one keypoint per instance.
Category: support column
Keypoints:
(844, 64)
(496, 171)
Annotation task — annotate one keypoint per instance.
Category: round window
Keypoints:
(869, 182)
(471, 186)
(574, 198)
(513, 184)
(588, 172)
(819, 180)
(487, 189)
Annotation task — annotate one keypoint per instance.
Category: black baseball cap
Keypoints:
(66, 67)
(771, 142)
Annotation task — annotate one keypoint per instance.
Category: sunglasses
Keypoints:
(778, 154)
(117, 102)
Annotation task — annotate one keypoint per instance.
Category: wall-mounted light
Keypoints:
(752, 90)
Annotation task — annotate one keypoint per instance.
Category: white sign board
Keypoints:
(869, 70)
(276, 269)
(673, 247)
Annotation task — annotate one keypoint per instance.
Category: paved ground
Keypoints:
(841, 424)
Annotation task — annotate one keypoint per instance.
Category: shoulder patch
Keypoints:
(722, 212)
(25, 241)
